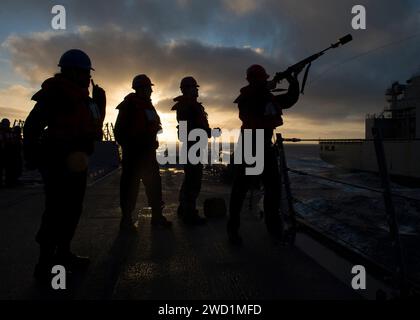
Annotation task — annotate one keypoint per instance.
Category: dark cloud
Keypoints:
(207, 39)
(118, 55)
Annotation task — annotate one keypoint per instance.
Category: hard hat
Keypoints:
(75, 58)
(141, 80)
(5, 123)
(256, 72)
(188, 82)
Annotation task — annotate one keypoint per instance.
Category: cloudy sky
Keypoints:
(215, 41)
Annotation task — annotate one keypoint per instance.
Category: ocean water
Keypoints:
(355, 216)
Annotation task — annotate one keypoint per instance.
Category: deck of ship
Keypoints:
(178, 263)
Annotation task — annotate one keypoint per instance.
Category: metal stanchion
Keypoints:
(284, 170)
(400, 272)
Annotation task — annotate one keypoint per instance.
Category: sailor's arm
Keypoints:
(288, 99)
(34, 126)
(99, 97)
(122, 123)
(205, 122)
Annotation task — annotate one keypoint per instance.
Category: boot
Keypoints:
(160, 221)
(69, 260)
(180, 211)
(72, 262)
(127, 225)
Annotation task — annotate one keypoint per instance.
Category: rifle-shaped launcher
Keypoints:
(308, 61)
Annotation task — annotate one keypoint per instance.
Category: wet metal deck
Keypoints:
(178, 263)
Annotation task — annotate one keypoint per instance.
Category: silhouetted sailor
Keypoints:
(190, 110)
(260, 109)
(13, 157)
(136, 131)
(5, 136)
(59, 136)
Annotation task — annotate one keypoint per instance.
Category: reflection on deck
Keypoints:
(182, 263)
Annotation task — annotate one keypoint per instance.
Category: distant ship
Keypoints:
(400, 123)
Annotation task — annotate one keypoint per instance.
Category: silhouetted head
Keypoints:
(189, 87)
(5, 123)
(76, 66)
(143, 86)
(256, 75)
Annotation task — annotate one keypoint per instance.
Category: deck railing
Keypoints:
(400, 281)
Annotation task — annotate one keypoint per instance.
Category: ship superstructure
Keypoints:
(399, 123)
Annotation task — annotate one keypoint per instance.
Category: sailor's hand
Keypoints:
(272, 84)
(292, 73)
(98, 94)
(293, 76)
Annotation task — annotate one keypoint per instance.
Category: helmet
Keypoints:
(256, 72)
(141, 80)
(188, 82)
(5, 123)
(75, 58)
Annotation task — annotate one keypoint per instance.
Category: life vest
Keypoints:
(258, 109)
(72, 116)
(192, 111)
(138, 120)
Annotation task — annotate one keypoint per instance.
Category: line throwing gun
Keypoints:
(297, 67)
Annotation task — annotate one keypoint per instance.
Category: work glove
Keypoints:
(99, 97)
